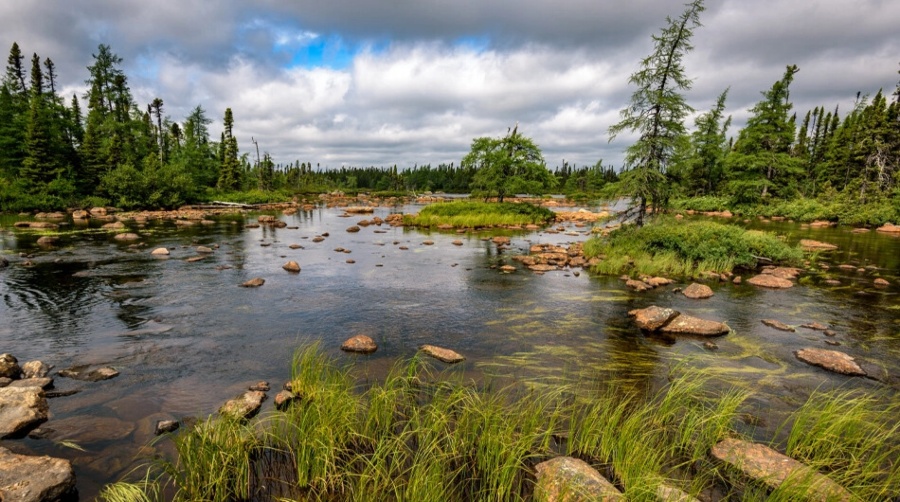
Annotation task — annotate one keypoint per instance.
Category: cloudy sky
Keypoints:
(362, 82)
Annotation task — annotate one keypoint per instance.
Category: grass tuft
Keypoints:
(472, 214)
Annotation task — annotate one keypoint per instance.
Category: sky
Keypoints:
(368, 83)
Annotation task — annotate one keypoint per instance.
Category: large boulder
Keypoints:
(572, 480)
(9, 366)
(767, 466)
(653, 317)
(21, 408)
(244, 406)
(831, 360)
(34, 479)
(689, 325)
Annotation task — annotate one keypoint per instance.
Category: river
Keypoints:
(185, 337)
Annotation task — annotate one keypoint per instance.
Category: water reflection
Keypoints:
(186, 337)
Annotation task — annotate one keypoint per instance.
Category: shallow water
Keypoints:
(186, 338)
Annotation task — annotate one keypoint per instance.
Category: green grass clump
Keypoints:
(471, 214)
(668, 246)
(703, 203)
(851, 437)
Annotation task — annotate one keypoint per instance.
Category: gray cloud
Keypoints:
(431, 75)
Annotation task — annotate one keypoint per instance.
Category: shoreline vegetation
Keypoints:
(423, 434)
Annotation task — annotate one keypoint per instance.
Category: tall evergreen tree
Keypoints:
(709, 146)
(39, 166)
(229, 172)
(657, 110)
(762, 163)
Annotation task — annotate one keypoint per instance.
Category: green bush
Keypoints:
(480, 214)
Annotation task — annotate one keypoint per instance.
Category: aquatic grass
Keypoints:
(854, 438)
(213, 460)
(472, 214)
(672, 247)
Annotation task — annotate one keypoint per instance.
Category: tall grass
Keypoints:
(421, 435)
(668, 246)
(471, 214)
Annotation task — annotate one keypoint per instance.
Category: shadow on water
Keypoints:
(186, 337)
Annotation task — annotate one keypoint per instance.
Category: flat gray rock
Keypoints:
(244, 406)
(689, 325)
(21, 408)
(442, 354)
(34, 479)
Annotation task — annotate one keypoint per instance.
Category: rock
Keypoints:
(127, 236)
(689, 325)
(666, 493)
(164, 426)
(737, 279)
(284, 399)
(204, 249)
(360, 343)
(567, 479)
(652, 318)
(710, 346)
(80, 215)
(4, 381)
(822, 224)
(351, 262)
(116, 225)
(638, 285)
(254, 283)
(428, 243)
(442, 354)
(21, 408)
(47, 241)
(79, 373)
(789, 273)
(772, 323)
(35, 479)
(501, 240)
(831, 360)
(86, 429)
(244, 406)
(658, 281)
(888, 228)
(291, 266)
(353, 229)
(770, 281)
(881, 282)
(697, 291)
(160, 252)
(9, 366)
(98, 211)
(507, 269)
(262, 386)
(295, 246)
(194, 259)
(3, 262)
(457, 242)
(815, 326)
(39, 382)
(318, 238)
(771, 468)
(811, 245)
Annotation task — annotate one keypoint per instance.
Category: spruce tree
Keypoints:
(657, 111)
(229, 172)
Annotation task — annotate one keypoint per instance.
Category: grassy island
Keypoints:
(471, 214)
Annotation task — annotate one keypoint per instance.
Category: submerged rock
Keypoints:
(771, 468)
(653, 317)
(697, 291)
(80, 373)
(572, 480)
(244, 406)
(817, 326)
(360, 343)
(772, 323)
(442, 354)
(34, 479)
(21, 408)
(831, 360)
(811, 245)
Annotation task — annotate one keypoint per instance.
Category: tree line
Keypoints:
(117, 152)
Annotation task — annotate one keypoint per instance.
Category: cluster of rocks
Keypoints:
(547, 257)
(775, 277)
(23, 407)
